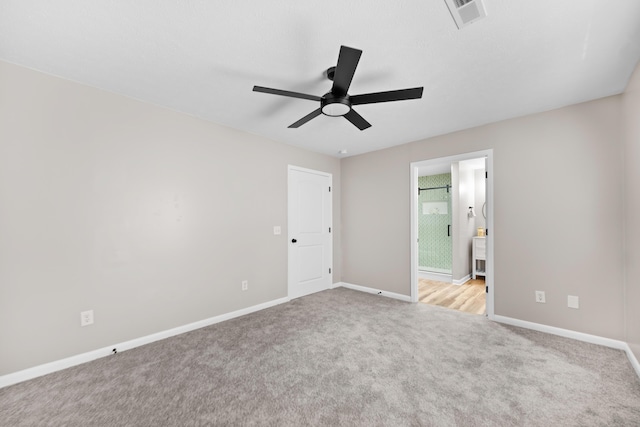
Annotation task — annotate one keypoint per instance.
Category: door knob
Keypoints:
(293, 240)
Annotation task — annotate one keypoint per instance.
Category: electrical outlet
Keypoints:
(540, 297)
(573, 301)
(86, 318)
(277, 230)
(245, 285)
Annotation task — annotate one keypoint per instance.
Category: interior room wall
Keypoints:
(631, 106)
(462, 230)
(557, 209)
(467, 224)
(480, 198)
(149, 217)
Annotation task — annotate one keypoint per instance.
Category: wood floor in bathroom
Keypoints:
(469, 297)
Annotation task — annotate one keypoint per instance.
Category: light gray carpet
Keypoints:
(341, 358)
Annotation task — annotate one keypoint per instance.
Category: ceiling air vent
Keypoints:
(465, 12)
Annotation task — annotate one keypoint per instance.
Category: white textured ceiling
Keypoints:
(203, 58)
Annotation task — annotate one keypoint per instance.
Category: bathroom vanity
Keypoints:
(479, 256)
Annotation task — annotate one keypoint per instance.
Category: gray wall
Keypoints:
(152, 218)
(631, 105)
(558, 208)
(462, 196)
(467, 225)
(147, 216)
(480, 198)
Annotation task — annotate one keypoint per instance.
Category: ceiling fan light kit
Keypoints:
(337, 102)
(335, 106)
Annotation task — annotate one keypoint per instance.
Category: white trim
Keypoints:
(313, 171)
(48, 368)
(489, 277)
(413, 240)
(58, 365)
(430, 275)
(462, 281)
(405, 298)
(633, 359)
(442, 277)
(580, 336)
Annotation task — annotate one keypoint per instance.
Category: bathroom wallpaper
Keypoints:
(434, 216)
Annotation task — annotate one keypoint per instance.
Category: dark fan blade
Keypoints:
(346, 67)
(306, 118)
(392, 95)
(285, 93)
(357, 120)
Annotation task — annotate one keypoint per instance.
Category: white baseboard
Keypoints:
(387, 294)
(580, 336)
(443, 277)
(462, 281)
(58, 365)
(47, 368)
(431, 275)
(632, 358)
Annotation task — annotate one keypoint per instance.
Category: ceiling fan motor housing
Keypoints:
(330, 73)
(335, 106)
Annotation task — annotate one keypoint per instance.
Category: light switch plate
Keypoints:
(277, 230)
(573, 301)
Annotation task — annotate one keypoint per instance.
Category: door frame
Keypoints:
(489, 278)
(328, 175)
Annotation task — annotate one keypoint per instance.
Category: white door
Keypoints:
(310, 242)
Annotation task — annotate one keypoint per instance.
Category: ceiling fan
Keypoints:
(338, 102)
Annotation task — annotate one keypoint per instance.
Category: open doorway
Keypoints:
(451, 224)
